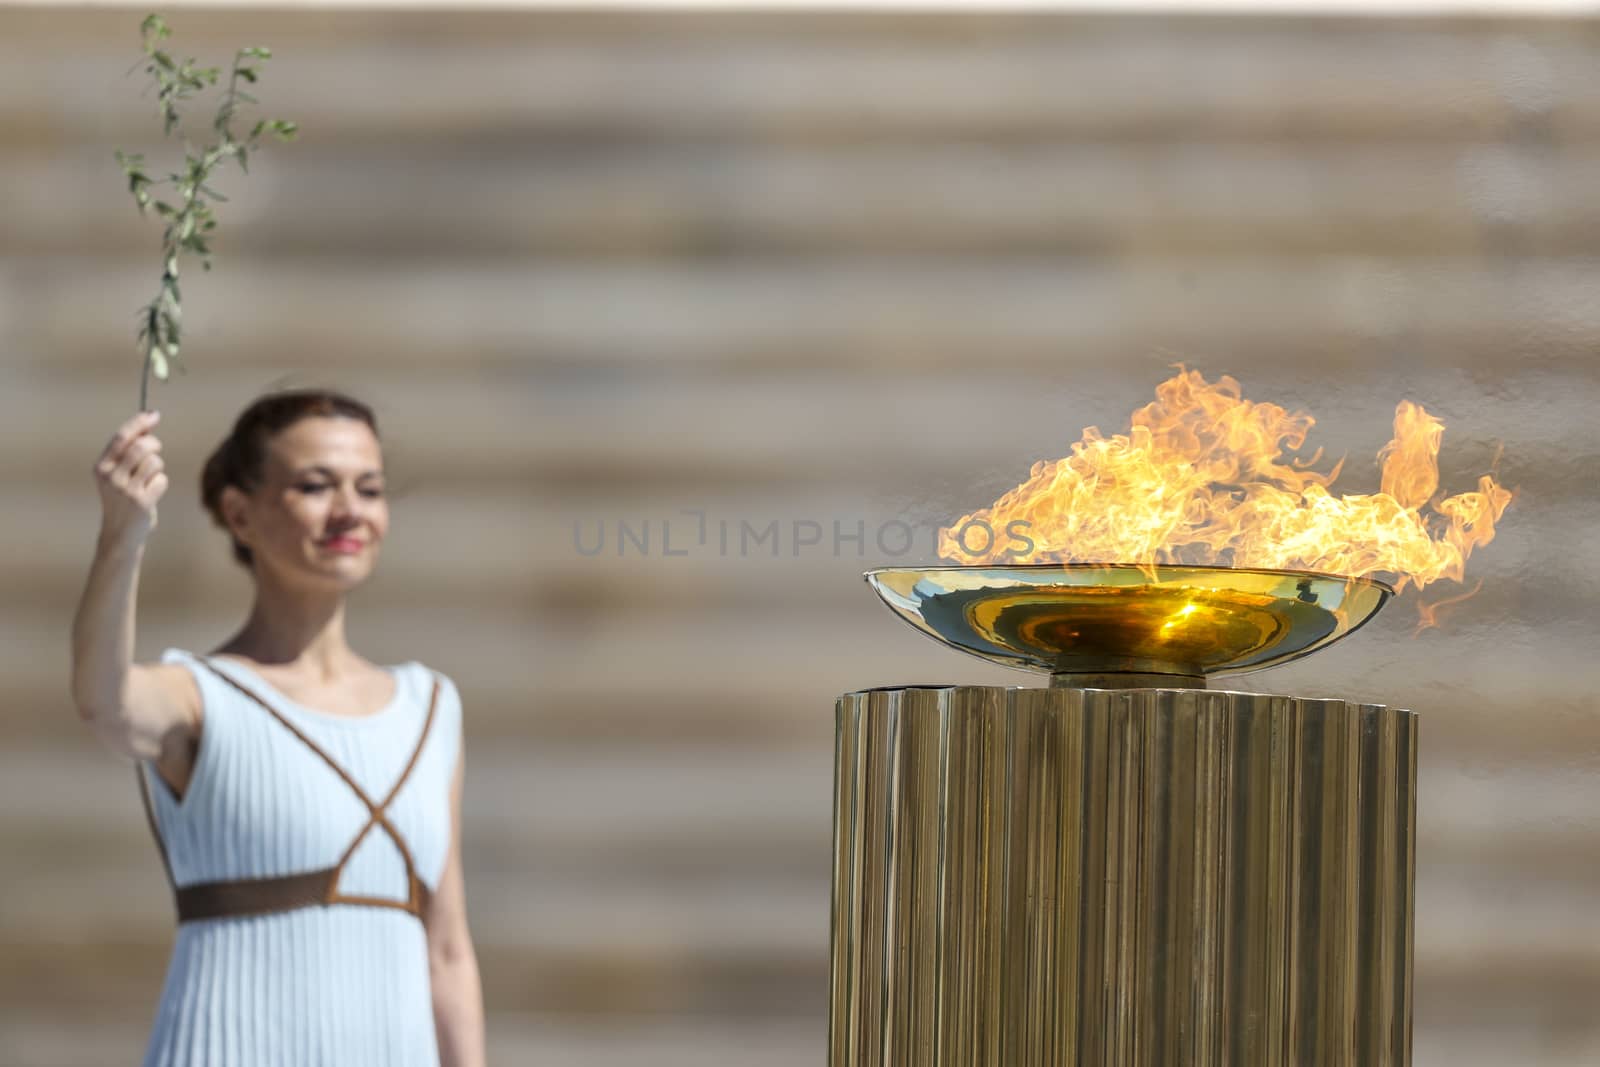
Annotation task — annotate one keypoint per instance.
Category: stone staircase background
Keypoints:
(665, 270)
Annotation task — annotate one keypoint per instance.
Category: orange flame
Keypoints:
(1432, 615)
(1201, 478)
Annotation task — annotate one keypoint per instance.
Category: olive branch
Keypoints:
(190, 219)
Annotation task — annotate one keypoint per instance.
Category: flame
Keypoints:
(1430, 615)
(1201, 477)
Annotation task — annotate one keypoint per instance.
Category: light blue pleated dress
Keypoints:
(324, 985)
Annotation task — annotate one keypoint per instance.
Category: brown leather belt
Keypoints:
(260, 896)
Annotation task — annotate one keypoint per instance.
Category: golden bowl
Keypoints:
(1117, 625)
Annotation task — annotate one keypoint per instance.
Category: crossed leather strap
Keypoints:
(258, 896)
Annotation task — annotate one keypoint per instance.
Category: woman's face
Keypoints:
(319, 515)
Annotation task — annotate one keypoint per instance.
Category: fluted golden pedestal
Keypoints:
(1097, 878)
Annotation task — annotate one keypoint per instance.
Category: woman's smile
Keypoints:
(343, 544)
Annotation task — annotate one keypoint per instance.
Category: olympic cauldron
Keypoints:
(1124, 868)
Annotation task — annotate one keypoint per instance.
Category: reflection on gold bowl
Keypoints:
(1116, 625)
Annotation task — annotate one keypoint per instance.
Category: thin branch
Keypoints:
(191, 219)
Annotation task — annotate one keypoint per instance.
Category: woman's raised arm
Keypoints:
(143, 711)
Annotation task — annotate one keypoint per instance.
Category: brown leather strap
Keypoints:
(263, 896)
(256, 896)
(379, 818)
(253, 896)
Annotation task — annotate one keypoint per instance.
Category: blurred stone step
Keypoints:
(1467, 1041)
(648, 200)
(121, 977)
(579, 713)
(553, 906)
(58, 1040)
(1461, 722)
(1027, 315)
(748, 820)
(742, 667)
(1461, 972)
(585, 556)
(513, 660)
(865, 77)
(521, 799)
(580, 553)
(677, 439)
(546, 450)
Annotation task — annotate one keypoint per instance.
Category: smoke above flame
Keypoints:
(1202, 477)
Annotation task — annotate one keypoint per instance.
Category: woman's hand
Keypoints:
(131, 477)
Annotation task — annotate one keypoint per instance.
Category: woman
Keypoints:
(307, 803)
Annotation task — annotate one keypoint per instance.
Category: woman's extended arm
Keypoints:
(144, 712)
(452, 963)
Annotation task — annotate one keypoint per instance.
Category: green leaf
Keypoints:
(256, 53)
(248, 74)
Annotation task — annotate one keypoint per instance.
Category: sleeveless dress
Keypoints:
(339, 977)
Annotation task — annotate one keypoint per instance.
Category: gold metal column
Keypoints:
(1095, 878)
